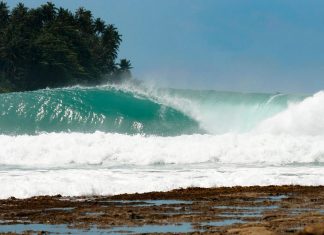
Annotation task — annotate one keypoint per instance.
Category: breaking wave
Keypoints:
(73, 141)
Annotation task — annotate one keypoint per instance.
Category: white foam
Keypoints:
(107, 149)
(76, 182)
(304, 118)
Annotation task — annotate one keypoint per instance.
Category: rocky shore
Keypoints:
(225, 210)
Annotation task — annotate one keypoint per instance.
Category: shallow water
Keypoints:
(226, 222)
(272, 198)
(246, 211)
(251, 208)
(147, 202)
(60, 228)
(63, 229)
(165, 228)
(60, 209)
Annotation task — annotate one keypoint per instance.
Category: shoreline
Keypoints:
(288, 209)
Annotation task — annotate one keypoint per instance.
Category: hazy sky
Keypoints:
(250, 45)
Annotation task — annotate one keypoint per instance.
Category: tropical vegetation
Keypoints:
(53, 47)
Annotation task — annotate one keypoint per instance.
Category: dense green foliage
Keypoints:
(52, 47)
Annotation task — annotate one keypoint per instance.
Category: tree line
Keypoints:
(53, 47)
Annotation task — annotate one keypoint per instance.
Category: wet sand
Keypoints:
(225, 210)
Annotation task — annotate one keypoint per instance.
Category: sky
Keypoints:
(232, 45)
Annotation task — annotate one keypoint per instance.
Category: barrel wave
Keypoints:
(87, 110)
(133, 109)
(134, 138)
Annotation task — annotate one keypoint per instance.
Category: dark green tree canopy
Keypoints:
(51, 47)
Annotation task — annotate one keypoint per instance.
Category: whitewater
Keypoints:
(109, 139)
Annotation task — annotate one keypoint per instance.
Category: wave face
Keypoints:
(86, 110)
(130, 110)
(131, 138)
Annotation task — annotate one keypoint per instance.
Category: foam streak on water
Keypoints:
(109, 140)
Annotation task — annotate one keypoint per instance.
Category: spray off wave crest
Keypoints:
(303, 118)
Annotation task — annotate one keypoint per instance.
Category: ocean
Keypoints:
(113, 139)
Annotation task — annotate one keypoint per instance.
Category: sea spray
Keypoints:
(303, 118)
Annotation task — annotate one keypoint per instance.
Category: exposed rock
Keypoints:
(316, 229)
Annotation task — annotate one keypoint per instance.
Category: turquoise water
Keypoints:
(88, 110)
(162, 112)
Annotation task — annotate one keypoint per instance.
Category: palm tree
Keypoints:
(99, 26)
(49, 12)
(123, 72)
(4, 15)
(19, 13)
(125, 65)
(111, 40)
(65, 16)
(84, 19)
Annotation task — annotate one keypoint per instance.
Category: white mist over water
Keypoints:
(248, 139)
(304, 118)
